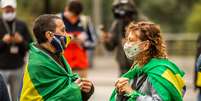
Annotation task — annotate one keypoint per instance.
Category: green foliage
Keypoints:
(193, 23)
(169, 13)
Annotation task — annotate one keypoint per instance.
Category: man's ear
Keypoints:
(49, 35)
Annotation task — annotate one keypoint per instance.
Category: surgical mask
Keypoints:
(60, 42)
(132, 50)
(9, 16)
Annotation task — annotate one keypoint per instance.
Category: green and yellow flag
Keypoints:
(164, 76)
(46, 80)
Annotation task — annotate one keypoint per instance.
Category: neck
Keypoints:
(49, 47)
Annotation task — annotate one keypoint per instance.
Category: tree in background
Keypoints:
(170, 14)
(193, 23)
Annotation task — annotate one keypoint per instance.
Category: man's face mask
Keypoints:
(9, 16)
(60, 42)
(132, 49)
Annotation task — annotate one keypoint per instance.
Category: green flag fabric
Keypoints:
(45, 80)
(164, 76)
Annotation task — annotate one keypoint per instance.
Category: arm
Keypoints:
(197, 65)
(197, 60)
(144, 97)
(27, 38)
(113, 37)
(4, 41)
(92, 35)
(86, 96)
(146, 93)
(2, 44)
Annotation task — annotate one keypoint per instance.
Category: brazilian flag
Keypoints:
(45, 80)
(164, 76)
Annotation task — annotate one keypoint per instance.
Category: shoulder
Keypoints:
(21, 23)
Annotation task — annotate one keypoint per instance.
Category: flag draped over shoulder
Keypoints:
(44, 79)
(164, 76)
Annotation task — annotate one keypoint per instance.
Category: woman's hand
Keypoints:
(122, 86)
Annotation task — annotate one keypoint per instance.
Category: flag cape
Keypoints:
(164, 76)
(45, 80)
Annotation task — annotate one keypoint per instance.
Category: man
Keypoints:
(124, 12)
(80, 51)
(197, 73)
(14, 40)
(47, 75)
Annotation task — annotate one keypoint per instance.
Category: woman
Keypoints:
(153, 76)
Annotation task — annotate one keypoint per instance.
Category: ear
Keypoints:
(49, 35)
(146, 45)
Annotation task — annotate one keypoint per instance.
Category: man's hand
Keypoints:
(105, 37)
(7, 38)
(122, 86)
(86, 85)
(78, 82)
(17, 38)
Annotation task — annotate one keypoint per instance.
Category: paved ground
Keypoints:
(105, 72)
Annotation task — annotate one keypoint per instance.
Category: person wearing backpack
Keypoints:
(79, 53)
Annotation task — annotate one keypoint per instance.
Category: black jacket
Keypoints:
(118, 33)
(8, 60)
(3, 90)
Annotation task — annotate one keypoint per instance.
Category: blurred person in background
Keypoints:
(152, 77)
(197, 73)
(124, 11)
(4, 96)
(15, 38)
(47, 76)
(79, 53)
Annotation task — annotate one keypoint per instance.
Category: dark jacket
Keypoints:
(118, 33)
(3, 90)
(9, 60)
(197, 60)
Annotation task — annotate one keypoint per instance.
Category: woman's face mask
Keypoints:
(132, 49)
(60, 42)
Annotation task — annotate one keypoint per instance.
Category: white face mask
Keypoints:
(132, 49)
(9, 16)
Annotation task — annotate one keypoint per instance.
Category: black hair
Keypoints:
(43, 24)
(75, 7)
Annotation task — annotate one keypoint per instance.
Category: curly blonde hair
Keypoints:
(148, 32)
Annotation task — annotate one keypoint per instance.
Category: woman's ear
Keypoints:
(49, 35)
(146, 45)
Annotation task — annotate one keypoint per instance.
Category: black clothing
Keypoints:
(3, 90)
(10, 60)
